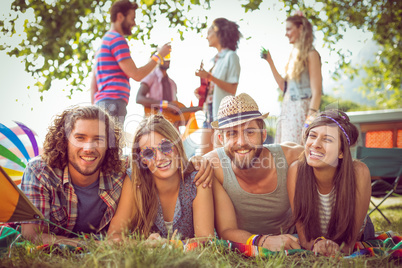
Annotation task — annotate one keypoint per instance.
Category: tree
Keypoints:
(65, 45)
(59, 40)
(383, 18)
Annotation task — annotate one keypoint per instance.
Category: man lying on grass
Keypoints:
(250, 194)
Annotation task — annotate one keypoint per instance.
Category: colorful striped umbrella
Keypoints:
(17, 145)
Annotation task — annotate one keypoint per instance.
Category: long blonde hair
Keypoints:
(304, 44)
(144, 188)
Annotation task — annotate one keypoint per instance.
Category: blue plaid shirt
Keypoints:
(51, 191)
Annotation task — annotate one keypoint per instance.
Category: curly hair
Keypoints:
(122, 6)
(227, 32)
(56, 141)
(304, 44)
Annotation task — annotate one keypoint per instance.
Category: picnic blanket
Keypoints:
(384, 244)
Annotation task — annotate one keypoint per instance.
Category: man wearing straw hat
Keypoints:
(250, 193)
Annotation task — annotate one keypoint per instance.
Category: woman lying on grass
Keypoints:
(161, 198)
(329, 192)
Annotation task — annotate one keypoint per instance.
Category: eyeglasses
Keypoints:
(165, 147)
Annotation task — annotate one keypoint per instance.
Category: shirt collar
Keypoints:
(105, 182)
(159, 73)
(222, 53)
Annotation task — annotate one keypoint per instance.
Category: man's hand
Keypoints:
(281, 242)
(165, 49)
(204, 168)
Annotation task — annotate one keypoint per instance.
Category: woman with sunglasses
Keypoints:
(329, 192)
(161, 197)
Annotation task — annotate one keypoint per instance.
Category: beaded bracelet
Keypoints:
(263, 241)
(318, 239)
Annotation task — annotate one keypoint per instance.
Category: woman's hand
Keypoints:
(326, 247)
(205, 171)
(155, 240)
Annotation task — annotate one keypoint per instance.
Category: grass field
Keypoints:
(131, 255)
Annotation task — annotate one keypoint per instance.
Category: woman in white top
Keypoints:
(329, 192)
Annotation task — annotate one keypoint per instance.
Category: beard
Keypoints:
(86, 172)
(244, 163)
(126, 28)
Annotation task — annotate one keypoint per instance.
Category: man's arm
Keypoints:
(292, 151)
(130, 69)
(39, 234)
(141, 96)
(225, 216)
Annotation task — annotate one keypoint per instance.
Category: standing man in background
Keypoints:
(110, 87)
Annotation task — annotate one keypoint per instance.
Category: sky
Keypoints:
(264, 27)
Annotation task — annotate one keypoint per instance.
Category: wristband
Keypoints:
(318, 239)
(160, 58)
(165, 104)
(250, 240)
(155, 58)
(255, 240)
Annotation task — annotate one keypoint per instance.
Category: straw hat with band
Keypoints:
(236, 110)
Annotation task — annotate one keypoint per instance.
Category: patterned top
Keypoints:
(51, 191)
(183, 212)
(112, 82)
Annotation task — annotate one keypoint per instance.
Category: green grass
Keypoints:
(138, 255)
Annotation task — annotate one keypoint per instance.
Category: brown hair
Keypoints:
(341, 227)
(56, 141)
(228, 33)
(122, 6)
(144, 188)
(298, 58)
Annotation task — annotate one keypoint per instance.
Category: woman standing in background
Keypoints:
(302, 84)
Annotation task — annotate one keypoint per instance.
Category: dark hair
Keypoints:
(341, 227)
(227, 32)
(122, 6)
(56, 141)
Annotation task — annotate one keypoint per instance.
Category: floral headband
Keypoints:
(339, 125)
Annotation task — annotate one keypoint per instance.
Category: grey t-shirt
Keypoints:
(260, 213)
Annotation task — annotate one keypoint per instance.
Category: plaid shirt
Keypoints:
(51, 191)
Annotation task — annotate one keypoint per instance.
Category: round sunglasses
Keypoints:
(165, 147)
